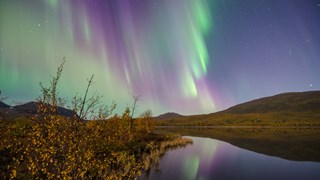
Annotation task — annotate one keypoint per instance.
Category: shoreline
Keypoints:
(243, 127)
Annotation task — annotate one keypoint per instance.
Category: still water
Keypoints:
(208, 158)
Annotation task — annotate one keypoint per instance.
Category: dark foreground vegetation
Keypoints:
(61, 147)
(288, 109)
(45, 143)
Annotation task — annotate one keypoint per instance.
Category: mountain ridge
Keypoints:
(3, 105)
(27, 110)
(277, 103)
(168, 115)
(285, 109)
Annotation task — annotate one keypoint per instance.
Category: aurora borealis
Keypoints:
(185, 56)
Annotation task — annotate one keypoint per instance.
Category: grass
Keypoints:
(288, 109)
(250, 119)
(153, 158)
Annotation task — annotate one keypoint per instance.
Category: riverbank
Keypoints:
(299, 144)
(65, 148)
(241, 127)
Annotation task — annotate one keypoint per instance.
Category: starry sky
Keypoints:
(184, 56)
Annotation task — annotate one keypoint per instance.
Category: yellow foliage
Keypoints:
(50, 146)
(145, 123)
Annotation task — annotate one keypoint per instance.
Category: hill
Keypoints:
(3, 105)
(27, 110)
(293, 102)
(169, 115)
(32, 108)
(287, 109)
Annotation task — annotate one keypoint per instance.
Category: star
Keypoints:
(310, 85)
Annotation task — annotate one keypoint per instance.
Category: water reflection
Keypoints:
(298, 144)
(213, 159)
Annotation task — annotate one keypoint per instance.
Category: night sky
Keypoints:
(183, 56)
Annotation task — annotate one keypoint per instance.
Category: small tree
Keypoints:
(50, 94)
(135, 100)
(145, 122)
(91, 107)
(62, 147)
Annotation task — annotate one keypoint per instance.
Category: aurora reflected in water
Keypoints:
(213, 159)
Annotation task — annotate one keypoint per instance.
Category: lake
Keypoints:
(209, 158)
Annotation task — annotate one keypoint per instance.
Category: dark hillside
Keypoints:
(3, 105)
(169, 115)
(294, 102)
(287, 109)
(32, 108)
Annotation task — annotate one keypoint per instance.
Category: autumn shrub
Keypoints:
(145, 123)
(54, 146)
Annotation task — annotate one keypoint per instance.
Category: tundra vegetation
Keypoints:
(295, 109)
(92, 143)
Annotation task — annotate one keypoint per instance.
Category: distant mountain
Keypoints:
(3, 105)
(169, 115)
(32, 108)
(293, 102)
(27, 110)
(287, 109)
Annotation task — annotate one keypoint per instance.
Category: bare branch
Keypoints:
(90, 82)
(50, 94)
(136, 99)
